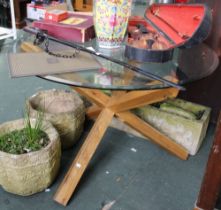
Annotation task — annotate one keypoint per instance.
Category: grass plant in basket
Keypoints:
(29, 139)
(30, 154)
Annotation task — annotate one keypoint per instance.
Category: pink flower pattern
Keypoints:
(110, 19)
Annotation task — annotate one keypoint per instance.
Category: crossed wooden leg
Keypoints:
(104, 109)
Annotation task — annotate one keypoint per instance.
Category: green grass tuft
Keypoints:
(26, 140)
(18, 142)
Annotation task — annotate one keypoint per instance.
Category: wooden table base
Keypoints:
(104, 109)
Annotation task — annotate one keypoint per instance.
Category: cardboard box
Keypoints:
(56, 15)
(37, 12)
(78, 27)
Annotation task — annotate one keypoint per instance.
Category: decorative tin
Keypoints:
(164, 27)
(110, 20)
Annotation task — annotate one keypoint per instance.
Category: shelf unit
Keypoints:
(9, 32)
(83, 5)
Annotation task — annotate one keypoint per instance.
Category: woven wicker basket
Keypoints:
(32, 172)
(64, 109)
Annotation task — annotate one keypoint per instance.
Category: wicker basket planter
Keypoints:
(29, 173)
(64, 109)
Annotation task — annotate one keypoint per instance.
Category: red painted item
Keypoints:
(56, 15)
(171, 25)
(181, 1)
(77, 27)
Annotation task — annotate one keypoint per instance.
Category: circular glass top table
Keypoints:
(186, 66)
(127, 90)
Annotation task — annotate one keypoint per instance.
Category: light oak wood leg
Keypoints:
(95, 96)
(135, 99)
(150, 132)
(93, 111)
(107, 107)
(83, 157)
(118, 93)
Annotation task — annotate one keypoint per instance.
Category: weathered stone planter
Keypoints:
(64, 109)
(32, 172)
(187, 132)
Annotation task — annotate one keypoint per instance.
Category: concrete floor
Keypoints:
(132, 172)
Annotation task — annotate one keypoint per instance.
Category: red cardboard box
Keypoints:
(37, 12)
(77, 27)
(56, 15)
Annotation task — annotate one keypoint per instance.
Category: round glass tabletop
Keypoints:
(186, 66)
